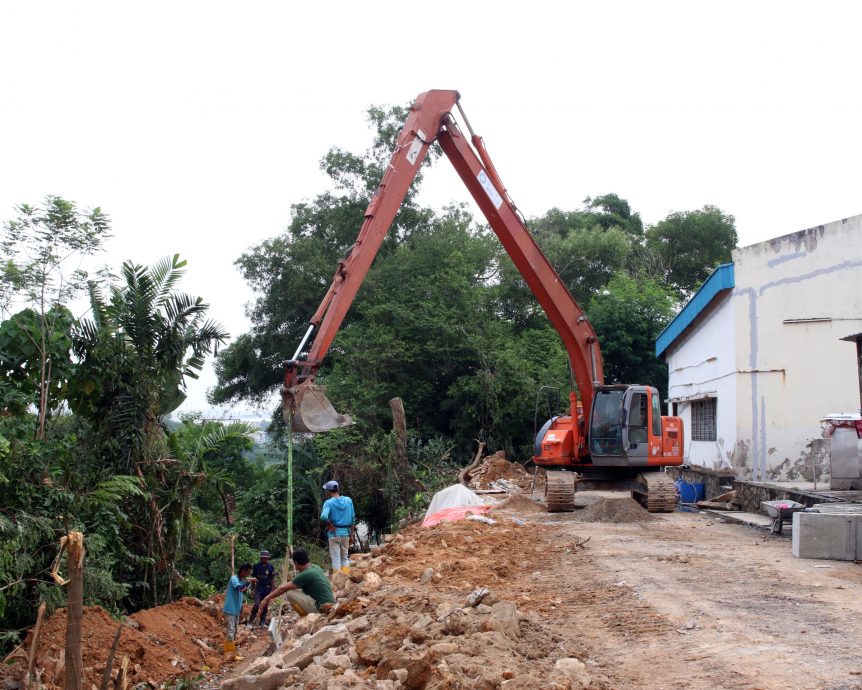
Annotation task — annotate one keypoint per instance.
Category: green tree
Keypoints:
(688, 245)
(134, 356)
(38, 247)
(627, 318)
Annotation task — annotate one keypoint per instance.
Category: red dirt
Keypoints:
(161, 647)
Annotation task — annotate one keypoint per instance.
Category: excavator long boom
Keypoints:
(431, 119)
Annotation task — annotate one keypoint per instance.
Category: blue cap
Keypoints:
(331, 486)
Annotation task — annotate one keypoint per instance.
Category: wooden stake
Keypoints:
(109, 663)
(74, 610)
(232, 554)
(121, 682)
(34, 645)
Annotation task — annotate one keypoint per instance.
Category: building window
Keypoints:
(703, 419)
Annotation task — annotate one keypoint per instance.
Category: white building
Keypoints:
(755, 358)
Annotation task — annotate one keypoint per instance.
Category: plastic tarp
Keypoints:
(454, 503)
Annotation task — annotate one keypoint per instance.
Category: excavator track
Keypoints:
(658, 493)
(560, 491)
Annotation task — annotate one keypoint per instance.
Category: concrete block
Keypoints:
(823, 535)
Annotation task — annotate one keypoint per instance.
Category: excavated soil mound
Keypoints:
(518, 503)
(613, 510)
(496, 467)
(160, 643)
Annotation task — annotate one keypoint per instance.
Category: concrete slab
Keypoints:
(827, 535)
(750, 519)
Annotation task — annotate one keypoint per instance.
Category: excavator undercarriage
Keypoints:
(655, 491)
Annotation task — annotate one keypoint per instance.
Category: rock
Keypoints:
(399, 674)
(483, 608)
(335, 662)
(305, 625)
(372, 646)
(371, 583)
(339, 579)
(504, 618)
(408, 547)
(258, 666)
(574, 671)
(303, 654)
(415, 662)
(315, 677)
(347, 681)
(356, 576)
(444, 610)
(272, 679)
(427, 577)
(443, 648)
(422, 622)
(358, 625)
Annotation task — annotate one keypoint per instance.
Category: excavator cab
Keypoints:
(628, 429)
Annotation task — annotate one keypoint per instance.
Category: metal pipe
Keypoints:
(464, 115)
(302, 344)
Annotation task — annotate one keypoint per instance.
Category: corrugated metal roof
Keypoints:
(720, 280)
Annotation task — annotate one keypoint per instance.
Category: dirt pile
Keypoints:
(519, 503)
(452, 606)
(613, 510)
(161, 643)
(495, 468)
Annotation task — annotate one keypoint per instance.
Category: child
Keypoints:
(233, 606)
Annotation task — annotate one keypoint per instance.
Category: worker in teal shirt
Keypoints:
(233, 604)
(340, 520)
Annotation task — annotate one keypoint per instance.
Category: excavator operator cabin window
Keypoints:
(638, 418)
(656, 413)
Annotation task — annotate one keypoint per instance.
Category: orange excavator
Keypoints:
(615, 436)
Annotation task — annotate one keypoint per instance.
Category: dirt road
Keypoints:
(685, 601)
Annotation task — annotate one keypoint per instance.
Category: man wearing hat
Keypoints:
(264, 572)
(339, 518)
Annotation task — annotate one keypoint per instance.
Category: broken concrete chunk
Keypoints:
(258, 666)
(414, 662)
(422, 622)
(270, 680)
(574, 671)
(339, 579)
(371, 583)
(315, 677)
(335, 662)
(443, 648)
(303, 654)
(504, 618)
(358, 625)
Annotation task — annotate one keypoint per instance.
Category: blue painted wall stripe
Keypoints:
(720, 280)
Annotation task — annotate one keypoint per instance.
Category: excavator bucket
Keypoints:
(312, 411)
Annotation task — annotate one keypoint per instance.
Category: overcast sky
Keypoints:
(195, 125)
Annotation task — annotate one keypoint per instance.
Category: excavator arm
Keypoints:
(431, 119)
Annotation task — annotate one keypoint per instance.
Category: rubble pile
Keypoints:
(495, 472)
(164, 642)
(439, 608)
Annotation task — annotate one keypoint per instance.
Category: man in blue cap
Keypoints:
(264, 575)
(340, 521)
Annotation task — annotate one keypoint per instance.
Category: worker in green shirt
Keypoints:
(308, 592)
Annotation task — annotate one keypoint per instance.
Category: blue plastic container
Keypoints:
(690, 492)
